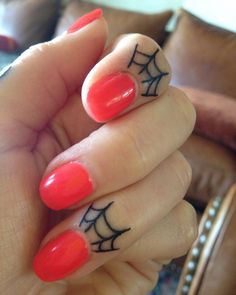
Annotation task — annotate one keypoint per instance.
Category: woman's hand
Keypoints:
(123, 181)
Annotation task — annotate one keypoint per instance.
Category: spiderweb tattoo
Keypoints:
(96, 219)
(148, 66)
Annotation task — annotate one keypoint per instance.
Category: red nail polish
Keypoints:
(61, 256)
(65, 186)
(85, 20)
(109, 96)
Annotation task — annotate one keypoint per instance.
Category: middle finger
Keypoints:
(119, 153)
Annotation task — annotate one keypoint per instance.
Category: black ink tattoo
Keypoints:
(153, 76)
(5, 71)
(104, 243)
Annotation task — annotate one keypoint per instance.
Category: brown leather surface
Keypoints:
(214, 169)
(220, 274)
(29, 21)
(215, 116)
(119, 21)
(202, 56)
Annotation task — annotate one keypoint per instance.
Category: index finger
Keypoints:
(133, 73)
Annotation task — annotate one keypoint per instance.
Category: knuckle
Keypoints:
(131, 145)
(183, 170)
(188, 229)
(185, 107)
(40, 54)
(39, 50)
(124, 209)
(140, 158)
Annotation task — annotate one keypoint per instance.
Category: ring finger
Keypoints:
(169, 239)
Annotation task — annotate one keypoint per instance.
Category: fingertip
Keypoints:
(137, 56)
(65, 186)
(61, 256)
(109, 96)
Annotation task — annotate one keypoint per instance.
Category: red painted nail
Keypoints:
(109, 96)
(61, 256)
(65, 186)
(85, 20)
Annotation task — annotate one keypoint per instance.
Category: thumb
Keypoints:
(41, 80)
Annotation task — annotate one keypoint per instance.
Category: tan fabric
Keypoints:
(119, 21)
(29, 21)
(202, 56)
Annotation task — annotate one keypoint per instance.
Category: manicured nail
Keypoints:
(109, 96)
(65, 186)
(61, 256)
(85, 20)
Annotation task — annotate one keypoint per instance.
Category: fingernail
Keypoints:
(109, 96)
(85, 20)
(61, 256)
(65, 186)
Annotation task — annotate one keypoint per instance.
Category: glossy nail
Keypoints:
(109, 96)
(65, 186)
(61, 256)
(85, 20)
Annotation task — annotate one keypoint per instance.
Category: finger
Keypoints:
(67, 125)
(118, 276)
(119, 153)
(46, 75)
(170, 238)
(99, 231)
(133, 73)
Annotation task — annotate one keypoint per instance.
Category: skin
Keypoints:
(43, 124)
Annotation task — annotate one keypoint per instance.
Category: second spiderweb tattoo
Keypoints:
(106, 235)
(147, 63)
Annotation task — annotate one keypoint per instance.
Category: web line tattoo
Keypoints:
(89, 223)
(152, 81)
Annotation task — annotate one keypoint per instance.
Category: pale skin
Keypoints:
(43, 124)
